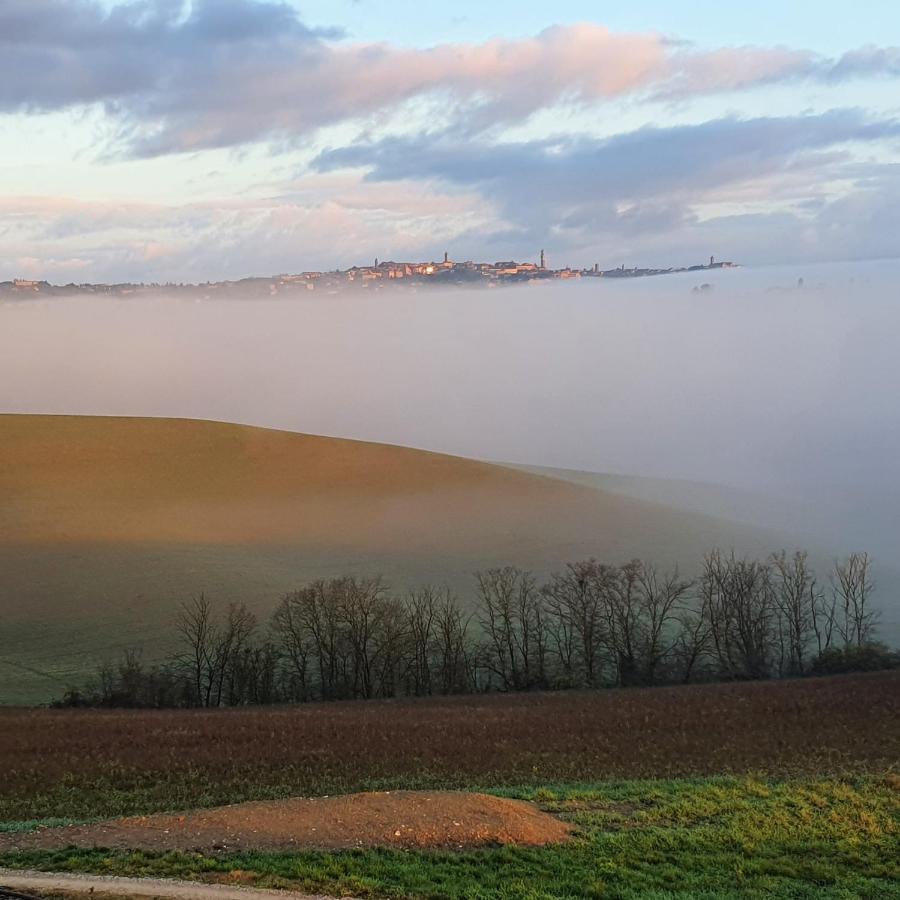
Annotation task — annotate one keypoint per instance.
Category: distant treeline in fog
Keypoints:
(592, 625)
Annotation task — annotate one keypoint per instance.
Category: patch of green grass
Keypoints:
(655, 840)
(34, 824)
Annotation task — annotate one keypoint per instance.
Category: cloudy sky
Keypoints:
(175, 140)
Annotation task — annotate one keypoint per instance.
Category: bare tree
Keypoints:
(253, 674)
(824, 619)
(561, 636)
(233, 639)
(799, 602)
(421, 613)
(199, 637)
(512, 619)
(641, 609)
(456, 663)
(738, 599)
(575, 607)
(348, 637)
(392, 647)
(296, 644)
(369, 620)
(693, 641)
(211, 648)
(852, 588)
(318, 613)
(661, 600)
(343, 638)
(620, 593)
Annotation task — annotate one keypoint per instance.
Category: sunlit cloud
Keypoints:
(318, 221)
(277, 146)
(578, 192)
(227, 74)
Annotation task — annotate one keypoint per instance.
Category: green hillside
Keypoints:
(108, 524)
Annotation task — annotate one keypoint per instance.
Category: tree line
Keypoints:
(590, 625)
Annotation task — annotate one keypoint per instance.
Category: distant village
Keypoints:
(379, 276)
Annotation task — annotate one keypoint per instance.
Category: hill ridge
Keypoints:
(108, 523)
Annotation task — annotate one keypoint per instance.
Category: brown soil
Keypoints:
(410, 819)
(75, 480)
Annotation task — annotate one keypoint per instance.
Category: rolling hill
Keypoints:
(106, 524)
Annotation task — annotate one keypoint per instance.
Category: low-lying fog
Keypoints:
(758, 383)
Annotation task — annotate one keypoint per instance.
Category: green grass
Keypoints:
(659, 840)
(34, 824)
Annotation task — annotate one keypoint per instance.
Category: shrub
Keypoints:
(870, 657)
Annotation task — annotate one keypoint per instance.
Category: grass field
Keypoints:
(782, 789)
(106, 525)
(705, 838)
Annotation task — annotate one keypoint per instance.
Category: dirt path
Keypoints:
(38, 882)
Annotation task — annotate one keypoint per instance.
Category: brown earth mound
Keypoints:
(410, 819)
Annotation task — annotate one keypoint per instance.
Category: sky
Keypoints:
(167, 140)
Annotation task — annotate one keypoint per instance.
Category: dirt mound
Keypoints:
(410, 819)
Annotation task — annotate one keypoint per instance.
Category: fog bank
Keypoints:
(755, 383)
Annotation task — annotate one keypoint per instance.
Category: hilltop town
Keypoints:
(380, 275)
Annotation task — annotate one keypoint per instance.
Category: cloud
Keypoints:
(759, 190)
(175, 76)
(58, 53)
(733, 69)
(647, 181)
(179, 77)
(318, 221)
(866, 62)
